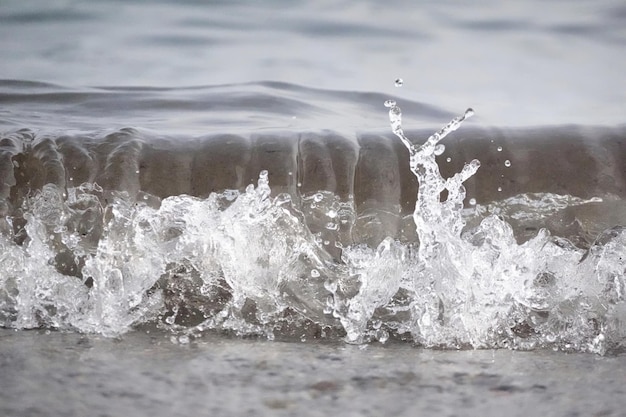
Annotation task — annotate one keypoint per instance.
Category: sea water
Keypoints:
(284, 209)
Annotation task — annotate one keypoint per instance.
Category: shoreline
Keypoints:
(70, 374)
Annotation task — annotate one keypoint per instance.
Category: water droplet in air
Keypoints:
(469, 113)
(499, 148)
(439, 149)
(499, 188)
(448, 159)
(390, 103)
(399, 82)
(472, 201)
(507, 163)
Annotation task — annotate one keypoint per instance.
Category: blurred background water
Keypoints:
(518, 64)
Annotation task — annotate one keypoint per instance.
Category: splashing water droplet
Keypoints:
(315, 273)
(390, 103)
(499, 188)
(472, 201)
(499, 148)
(399, 82)
(507, 163)
(448, 159)
(439, 149)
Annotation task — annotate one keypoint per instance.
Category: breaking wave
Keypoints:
(93, 240)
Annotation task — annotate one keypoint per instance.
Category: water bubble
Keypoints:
(399, 82)
(472, 201)
(448, 159)
(439, 149)
(390, 103)
(332, 226)
(331, 286)
(382, 336)
(499, 148)
(315, 273)
(183, 339)
(332, 213)
(507, 163)
(318, 197)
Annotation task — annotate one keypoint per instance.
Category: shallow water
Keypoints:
(287, 208)
(145, 374)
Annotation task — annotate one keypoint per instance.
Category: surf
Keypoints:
(311, 235)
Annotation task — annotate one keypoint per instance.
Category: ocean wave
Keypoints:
(313, 234)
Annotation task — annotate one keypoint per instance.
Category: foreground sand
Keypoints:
(140, 374)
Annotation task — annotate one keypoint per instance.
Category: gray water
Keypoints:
(146, 375)
(202, 170)
(526, 64)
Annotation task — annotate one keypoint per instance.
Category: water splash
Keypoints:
(253, 263)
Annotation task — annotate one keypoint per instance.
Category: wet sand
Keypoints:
(64, 374)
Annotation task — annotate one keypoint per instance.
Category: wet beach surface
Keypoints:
(69, 374)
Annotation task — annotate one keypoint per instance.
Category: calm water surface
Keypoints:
(530, 63)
